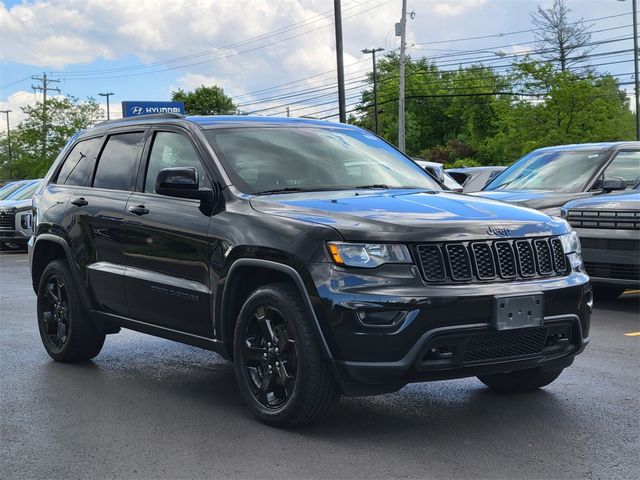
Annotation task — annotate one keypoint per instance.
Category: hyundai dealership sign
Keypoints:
(133, 109)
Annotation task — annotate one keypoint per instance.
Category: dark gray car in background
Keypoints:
(609, 230)
(547, 178)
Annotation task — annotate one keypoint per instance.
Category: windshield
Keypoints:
(556, 171)
(10, 188)
(276, 159)
(25, 192)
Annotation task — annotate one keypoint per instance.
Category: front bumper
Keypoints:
(14, 236)
(611, 256)
(440, 332)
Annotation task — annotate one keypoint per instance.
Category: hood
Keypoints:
(17, 204)
(409, 215)
(537, 199)
(612, 201)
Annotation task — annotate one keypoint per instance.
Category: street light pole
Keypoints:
(337, 11)
(634, 8)
(635, 65)
(8, 141)
(107, 94)
(403, 43)
(373, 51)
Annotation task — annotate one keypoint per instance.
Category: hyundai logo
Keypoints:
(136, 110)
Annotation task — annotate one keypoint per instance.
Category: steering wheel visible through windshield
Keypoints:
(281, 159)
(556, 171)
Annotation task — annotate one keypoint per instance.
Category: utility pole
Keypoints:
(373, 51)
(635, 66)
(44, 88)
(8, 141)
(288, 112)
(401, 30)
(337, 11)
(107, 94)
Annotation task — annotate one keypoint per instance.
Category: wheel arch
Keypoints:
(260, 272)
(46, 248)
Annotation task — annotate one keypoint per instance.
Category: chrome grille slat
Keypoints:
(618, 219)
(492, 260)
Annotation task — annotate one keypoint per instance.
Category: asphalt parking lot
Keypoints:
(151, 408)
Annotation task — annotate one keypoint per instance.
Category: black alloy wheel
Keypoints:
(270, 356)
(55, 311)
(66, 331)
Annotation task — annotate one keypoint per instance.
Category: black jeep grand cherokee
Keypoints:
(316, 256)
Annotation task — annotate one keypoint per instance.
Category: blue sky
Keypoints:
(94, 46)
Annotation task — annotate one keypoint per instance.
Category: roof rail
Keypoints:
(143, 117)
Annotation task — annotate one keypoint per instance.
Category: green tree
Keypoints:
(37, 140)
(205, 101)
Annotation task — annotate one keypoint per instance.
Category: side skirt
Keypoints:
(110, 320)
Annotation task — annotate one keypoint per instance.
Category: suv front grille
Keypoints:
(492, 260)
(7, 220)
(619, 219)
(507, 343)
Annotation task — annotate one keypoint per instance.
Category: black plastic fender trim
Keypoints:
(294, 275)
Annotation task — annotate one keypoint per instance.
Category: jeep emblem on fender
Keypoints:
(500, 231)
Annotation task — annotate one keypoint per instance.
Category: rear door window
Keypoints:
(118, 163)
(78, 166)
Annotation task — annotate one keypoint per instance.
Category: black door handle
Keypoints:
(139, 210)
(79, 202)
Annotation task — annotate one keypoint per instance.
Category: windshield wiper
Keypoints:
(374, 185)
(282, 190)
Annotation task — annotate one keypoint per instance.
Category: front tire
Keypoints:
(521, 380)
(66, 332)
(279, 365)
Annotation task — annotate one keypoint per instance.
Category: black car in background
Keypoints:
(474, 179)
(547, 178)
(609, 230)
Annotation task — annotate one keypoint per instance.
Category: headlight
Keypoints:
(26, 222)
(571, 243)
(367, 255)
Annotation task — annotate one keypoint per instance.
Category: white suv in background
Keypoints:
(16, 216)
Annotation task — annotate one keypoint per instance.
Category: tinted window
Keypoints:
(313, 158)
(550, 170)
(171, 150)
(626, 165)
(119, 162)
(78, 166)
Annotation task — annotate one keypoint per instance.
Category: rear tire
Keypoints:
(279, 364)
(66, 332)
(521, 380)
(607, 293)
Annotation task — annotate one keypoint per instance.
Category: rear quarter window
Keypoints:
(78, 166)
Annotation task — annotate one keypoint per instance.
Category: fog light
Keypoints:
(380, 318)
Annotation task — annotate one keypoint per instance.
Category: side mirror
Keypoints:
(181, 182)
(613, 183)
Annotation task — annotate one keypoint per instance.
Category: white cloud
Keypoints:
(54, 34)
(15, 102)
